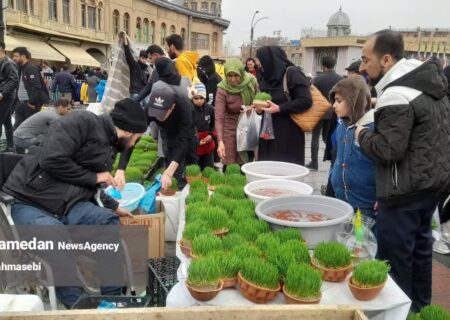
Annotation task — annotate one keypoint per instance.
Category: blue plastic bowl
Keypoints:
(132, 195)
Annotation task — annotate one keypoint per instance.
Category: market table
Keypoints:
(391, 304)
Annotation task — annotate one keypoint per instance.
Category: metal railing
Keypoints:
(14, 15)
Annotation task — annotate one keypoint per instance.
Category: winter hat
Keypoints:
(161, 99)
(197, 89)
(129, 116)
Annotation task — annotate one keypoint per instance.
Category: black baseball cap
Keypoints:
(354, 66)
(161, 99)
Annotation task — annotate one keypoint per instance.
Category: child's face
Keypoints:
(198, 101)
(340, 107)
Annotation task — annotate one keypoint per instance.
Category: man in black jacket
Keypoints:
(410, 145)
(32, 92)
(9, 80)
(65, 83)
(56, 184)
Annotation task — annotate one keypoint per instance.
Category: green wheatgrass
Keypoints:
(194, 211)
(370, 274)
(148, 139)
(235, 180)
(332, 255)
(299, 249)
(288, 234)
(246, 204)
(281, 257)
(266, 241)
(133, 174)
(250, 229)
(198, 186)
(229, 264)
(263, 96)
(220, 201)
(208, 171)
(215, 218)
(231, 241)
(204, 272)
(303, 281)
(206, 244)
(149, 156)
(193, 230)
(240, 214)
(434, 312)
(196, 198)
(230, 192)
(233, 168)
(245, 251)
(216, 179)
(193, 170)
(260, 273)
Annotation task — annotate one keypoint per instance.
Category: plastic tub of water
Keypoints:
(263, 170)
(313, 232)
(132, 194)
(261, 190)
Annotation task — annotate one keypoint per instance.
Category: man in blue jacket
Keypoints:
(65, 83)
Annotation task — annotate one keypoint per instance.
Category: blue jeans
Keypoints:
(82, 213)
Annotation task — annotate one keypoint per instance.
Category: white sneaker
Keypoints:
(441, 247)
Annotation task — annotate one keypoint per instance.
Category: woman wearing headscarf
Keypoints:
(289, 142)
(237, 89)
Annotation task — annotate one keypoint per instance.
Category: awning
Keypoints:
(76, 55)
(37, 48)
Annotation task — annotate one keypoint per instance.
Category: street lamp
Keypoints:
(252, 30)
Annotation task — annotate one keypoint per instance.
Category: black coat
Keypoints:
(325, 82)
(65, 82)
(139, 72)
(63, 170)
(206, 71)
(34, 84)
(9, 78)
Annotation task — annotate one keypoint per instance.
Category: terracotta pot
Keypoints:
(205, 180)
(204, 294)
(332, 275)
(194, 178)
(255, 293)
(290, 299)
(168, 193)
(365, 294)
(185, 248)
(221, 233)
(230, 282)
(260, 104)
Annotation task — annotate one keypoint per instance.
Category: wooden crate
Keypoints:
(272, 312)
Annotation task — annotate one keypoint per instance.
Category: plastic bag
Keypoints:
(148, 202)
(247, 131)
(267, 128)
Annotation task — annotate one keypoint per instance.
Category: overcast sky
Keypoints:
(291, 16)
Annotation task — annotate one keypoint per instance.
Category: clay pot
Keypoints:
(168, 193)
(332, 275)
(290, 299)
(365, 294)
(255, 293)
(192, 179)
(205, 180)
(221, 233)
(185, 248)
(260, 104)
(230, 282)
(204, 293)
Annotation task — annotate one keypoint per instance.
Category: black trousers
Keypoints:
(23, 112)
(6, 105)
(404, 239)
(322, 126)
(206, 160)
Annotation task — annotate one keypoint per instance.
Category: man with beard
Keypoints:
(410, 145)
(185, 61)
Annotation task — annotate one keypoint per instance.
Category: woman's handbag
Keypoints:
(308, 119)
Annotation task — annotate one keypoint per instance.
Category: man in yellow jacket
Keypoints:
(185, 61)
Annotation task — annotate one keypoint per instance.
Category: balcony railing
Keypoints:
(16, 16)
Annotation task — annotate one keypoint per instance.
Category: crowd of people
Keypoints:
(386, 136)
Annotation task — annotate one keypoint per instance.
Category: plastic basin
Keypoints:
(262, 170)
(299, 188)
(312, 232)
(132, 195)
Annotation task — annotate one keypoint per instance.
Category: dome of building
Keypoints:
(339, 24)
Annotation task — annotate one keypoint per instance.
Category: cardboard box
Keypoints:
(155, 224)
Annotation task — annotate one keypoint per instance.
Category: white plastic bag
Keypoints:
(247, 131)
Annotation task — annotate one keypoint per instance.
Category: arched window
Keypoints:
(163, 34)
(152, 33)
(183, 34)
(146, 31)
(115, 22)
(126, 23)
(214, 8)
(194, 6)
(214, 44)
(204, 7)
(172, 30)
(138, 34)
